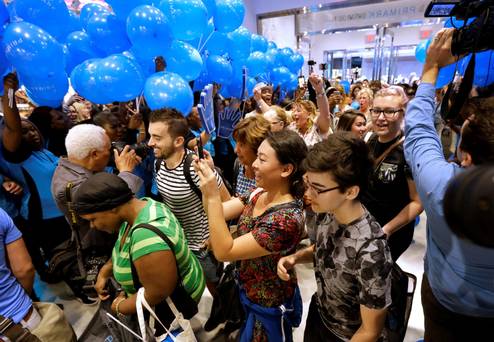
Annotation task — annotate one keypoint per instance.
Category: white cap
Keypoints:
(261, 85)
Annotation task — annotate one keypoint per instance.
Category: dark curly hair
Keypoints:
(346, 157)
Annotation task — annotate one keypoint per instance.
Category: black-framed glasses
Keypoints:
(309, 186)
(388, 113)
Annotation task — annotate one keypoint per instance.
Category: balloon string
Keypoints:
(200, 41)
(205, 42)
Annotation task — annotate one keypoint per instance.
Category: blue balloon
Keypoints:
(47, 91)
(229, 15)
(285, 54)
(259, 43)
(52, 16)
(109, 32)
(421, 50)
(188, 18)
(74, 23)
(295, 62)
(4, 14)
(122, 8)
(484, 68)
(168, 90)
(256, 63)
(149, 31)
(202, 80)
(280, 76)
(218, 43)
(88, 10)
(79, 48)
(4, 63)
(445, 75)
(272, 45)
(84, 79)
(346, 86)
(31, 50)
(292, 83)
(251, 83)
(148, 65)
(211, 7)
(121, 77)
(240, 42)
(184, 60)
(219, 69)
(271, 58)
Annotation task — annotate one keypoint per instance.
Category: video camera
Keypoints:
(473, 37)
(470, 38)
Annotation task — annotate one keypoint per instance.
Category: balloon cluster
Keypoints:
(108, 51)
(484, 61)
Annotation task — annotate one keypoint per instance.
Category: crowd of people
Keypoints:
(123, 193)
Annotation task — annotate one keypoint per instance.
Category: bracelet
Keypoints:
(117, 306)
(320, 94)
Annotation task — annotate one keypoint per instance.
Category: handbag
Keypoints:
(226, 302)
(52, 327)
(179, 331)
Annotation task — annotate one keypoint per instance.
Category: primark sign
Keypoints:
(362, 16)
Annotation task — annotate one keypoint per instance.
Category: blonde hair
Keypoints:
(367, 91)
(280, 114)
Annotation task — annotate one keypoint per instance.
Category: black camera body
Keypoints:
(141, 149)
(473, 37)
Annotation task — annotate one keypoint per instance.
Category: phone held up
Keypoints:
(301, 82)
(200, 149)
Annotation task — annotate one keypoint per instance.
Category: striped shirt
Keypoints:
(142, 241)
(178, 195)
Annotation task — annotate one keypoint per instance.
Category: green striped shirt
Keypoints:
(144, 242)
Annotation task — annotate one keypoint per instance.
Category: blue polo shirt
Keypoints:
(14, 302)
(460, 273)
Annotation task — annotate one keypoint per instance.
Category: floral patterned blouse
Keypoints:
(279, 230)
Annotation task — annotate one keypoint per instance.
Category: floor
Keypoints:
(411, 261)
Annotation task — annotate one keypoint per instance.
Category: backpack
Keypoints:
(188, 177)
(77, 267)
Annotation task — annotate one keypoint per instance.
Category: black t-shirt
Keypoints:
(387, 193)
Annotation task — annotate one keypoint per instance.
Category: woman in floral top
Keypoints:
(270, 226)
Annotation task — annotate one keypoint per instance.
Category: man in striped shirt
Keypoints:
(168, 129)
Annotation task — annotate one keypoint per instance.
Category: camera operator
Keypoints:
(457, 288)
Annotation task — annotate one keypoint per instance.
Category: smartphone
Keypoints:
(200, 149)
(301, 81)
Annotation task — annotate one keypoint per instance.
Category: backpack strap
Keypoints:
(378, 161)
(157, 164)
(166, 239)
(73, 222)
(188, 176)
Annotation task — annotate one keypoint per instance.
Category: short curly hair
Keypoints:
(252, 131)
(345, 156)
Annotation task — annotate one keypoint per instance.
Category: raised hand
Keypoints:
(206, 109)
(227, 120)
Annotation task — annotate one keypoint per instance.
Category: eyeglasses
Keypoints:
(309, 186)
(388, 113)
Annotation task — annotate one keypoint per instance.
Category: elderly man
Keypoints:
(88, 152)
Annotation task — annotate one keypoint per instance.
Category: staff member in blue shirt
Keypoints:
(458, 286)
